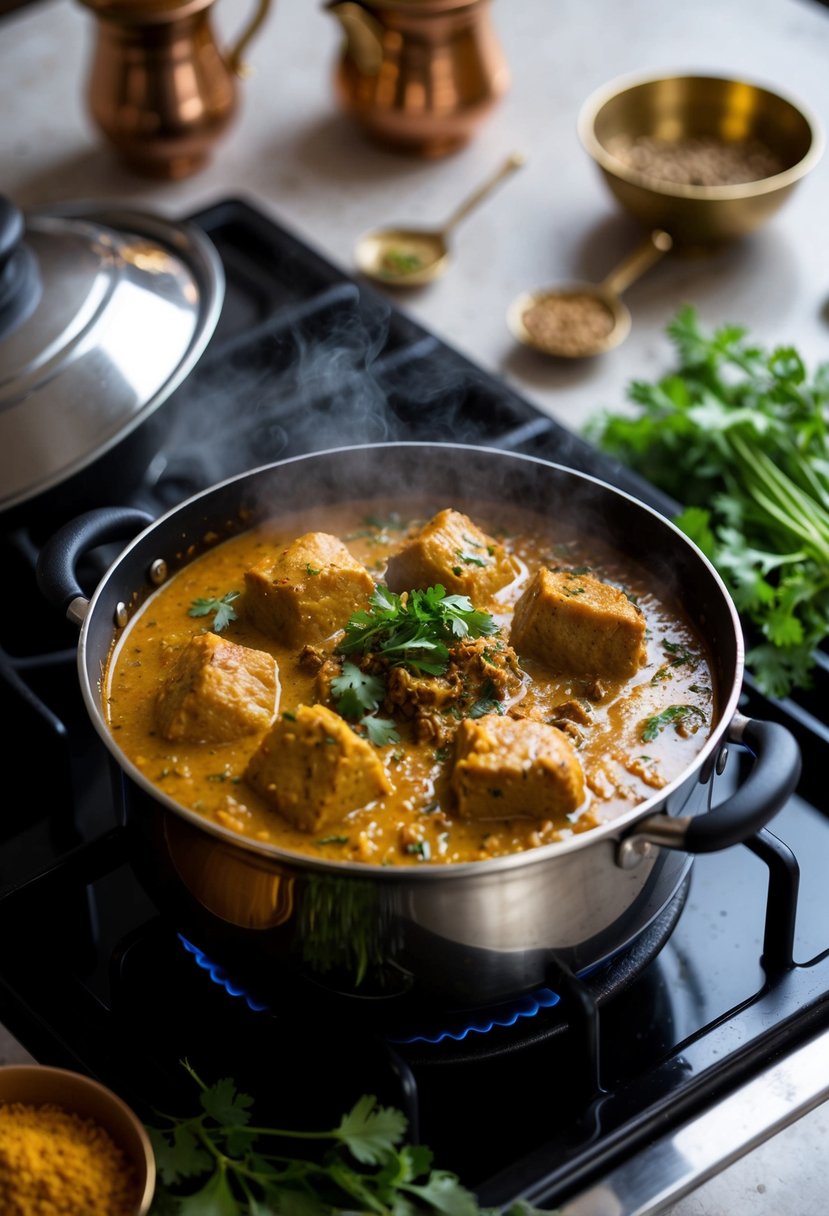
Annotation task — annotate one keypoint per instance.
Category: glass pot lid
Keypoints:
(103, 312)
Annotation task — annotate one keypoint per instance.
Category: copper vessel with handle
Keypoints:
(419, 76)
(161, 89)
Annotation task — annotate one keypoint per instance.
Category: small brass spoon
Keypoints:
(579, 319)
(410, 257)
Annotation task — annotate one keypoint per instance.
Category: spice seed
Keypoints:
(697, 161)
(569, 323)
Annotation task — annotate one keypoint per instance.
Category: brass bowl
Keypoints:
(638, 130)
(40, 1085)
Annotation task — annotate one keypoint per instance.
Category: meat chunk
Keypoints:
(478, 669)
(313, 769)
(576, 625)
(508, 768)
(307, 591)
(217, 691)
(453, 551)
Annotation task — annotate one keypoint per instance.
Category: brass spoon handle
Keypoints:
(509, 166)
(635, 264)
(234, 55)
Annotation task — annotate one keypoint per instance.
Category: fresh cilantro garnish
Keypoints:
(674, 715)
(679, 654)
(332, 840)
(223, 611)
(739, 436)
(214, 1162)
(470, 559)
(355, 692)
(487, 703)
(420, 848)
(380, 730)
(415, 629)
(357, 695)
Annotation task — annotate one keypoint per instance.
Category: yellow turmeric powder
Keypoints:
(55, 1163)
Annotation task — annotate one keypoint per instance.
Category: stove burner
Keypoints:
(501, 1016)
(412, 1021)
(219, 976)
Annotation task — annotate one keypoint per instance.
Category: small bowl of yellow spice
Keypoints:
(69, 1145)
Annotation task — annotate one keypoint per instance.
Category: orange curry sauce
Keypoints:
(418, 822)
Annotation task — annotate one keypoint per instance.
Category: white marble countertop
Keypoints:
(294, 154)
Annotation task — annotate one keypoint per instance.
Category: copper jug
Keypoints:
(160, 88)
(419, 76)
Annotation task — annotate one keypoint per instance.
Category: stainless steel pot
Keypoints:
(471, 933)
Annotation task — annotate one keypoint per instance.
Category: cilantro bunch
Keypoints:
(215, 1163)
(415, 629)
(738, 436)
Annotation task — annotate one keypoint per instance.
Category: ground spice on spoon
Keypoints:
(568, 323)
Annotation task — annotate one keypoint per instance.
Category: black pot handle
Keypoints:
(57, 561)
(773, 778)
(20, 285)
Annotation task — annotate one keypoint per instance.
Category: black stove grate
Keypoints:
(91, 976)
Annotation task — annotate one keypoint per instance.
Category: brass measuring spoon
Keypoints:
(579, 319)
(410, 257)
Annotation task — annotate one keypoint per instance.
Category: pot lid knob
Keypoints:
(19, 279)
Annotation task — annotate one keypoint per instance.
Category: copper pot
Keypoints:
(419, 76)
(161, 89)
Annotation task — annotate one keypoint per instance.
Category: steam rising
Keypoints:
(334, 372)
(345, 369)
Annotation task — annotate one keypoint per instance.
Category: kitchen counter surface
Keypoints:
(294, 154)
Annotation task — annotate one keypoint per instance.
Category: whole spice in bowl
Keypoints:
(68, 1145)
(698, 160)
(709, 159)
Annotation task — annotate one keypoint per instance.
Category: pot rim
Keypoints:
(611, 831)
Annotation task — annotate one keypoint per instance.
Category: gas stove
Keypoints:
(629, 1085)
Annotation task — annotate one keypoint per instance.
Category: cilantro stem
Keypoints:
(740, 437)
(794, 509)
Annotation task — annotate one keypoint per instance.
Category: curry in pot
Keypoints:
(410, 684)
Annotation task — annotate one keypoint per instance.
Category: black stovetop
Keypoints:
(92, 977)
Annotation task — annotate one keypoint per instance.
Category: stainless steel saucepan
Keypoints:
(466, 934)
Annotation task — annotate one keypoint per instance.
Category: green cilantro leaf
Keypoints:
(470, 559)
(223, 612)
(371, 1132)
(178, 1153)
(487, 703)
(380, 730)
(224, 1104)
(214, 1199)
(355, 692)
(739, 436)
(444, 1192)
(415, 629)
(212, 1168)
(675, 715)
